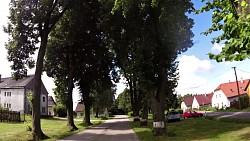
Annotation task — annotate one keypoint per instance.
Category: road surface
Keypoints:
(116, 129)
(229, 114)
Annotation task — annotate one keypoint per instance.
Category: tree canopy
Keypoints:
(232, 17)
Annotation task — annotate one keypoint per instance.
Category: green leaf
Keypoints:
(230, 16)
(243, 3)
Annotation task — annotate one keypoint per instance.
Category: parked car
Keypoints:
(173, 116)
(191, 114)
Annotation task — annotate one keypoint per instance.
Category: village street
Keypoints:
(229, 114)
(116, 129)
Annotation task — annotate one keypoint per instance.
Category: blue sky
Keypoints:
(198, 74)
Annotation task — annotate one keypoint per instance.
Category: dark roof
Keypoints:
(188, 100)
(204, 98)
(79, 107)
(9, 82)
(230, 88)
(51, 101)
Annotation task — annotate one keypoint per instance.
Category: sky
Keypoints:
(198, 74)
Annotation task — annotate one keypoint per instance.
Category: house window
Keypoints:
(4, 105)
(9, 105)
(10, 94)
(219, 95)
(4, 93)
(232, 90)
(43, 99)
(43, 109)
(216, 96)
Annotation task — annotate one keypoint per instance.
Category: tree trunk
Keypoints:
(87, 110)
(36, 101)
(97, 112)
(159, 124)
(144, 121)
(69, 103)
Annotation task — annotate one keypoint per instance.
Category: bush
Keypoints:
(130, 114)
(60, 110)
(244, 101)
(180, 111)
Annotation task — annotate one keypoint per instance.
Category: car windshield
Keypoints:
(173, 113)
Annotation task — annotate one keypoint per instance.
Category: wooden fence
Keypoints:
(10, 116)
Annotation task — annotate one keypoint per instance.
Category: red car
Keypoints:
(191, 114)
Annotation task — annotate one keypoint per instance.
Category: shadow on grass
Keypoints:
(196, 129)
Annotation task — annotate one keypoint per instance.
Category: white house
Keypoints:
(13, 94)
(225, 94)
(187, 102)
(79, 110)
(51, 103)
(201, 100)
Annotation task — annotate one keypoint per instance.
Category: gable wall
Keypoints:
(16, 99)
(220, 100)
(195, 104)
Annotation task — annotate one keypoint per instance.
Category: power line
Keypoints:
(243, 71)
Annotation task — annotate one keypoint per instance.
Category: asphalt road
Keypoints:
(116, 129)
(229, 114)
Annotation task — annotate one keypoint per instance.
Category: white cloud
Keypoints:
(191, 64)
(217, 47)
(190, 81)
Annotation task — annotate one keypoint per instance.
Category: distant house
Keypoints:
(225, 94)
(79, 110)
(51, 103)
(187, 102)
(202, 100)
(13, 94)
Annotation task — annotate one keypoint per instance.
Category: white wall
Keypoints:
(44, 104)
(195, 104)
(220, 100)
(16, 100)
(184, 107)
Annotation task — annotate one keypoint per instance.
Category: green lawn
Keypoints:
(199, 129)
(53, 128)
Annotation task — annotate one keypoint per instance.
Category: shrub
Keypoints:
(130, 114)
(244, 101)
(180, 111)
(60, 110)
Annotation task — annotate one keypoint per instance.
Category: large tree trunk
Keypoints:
(69, 103)
(87, 109)
(134, 101)
(36, 108)
(144, 120)
(159, 124)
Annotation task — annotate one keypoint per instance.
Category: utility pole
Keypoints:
(238, 90)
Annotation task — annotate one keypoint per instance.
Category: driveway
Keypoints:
(116, 129)
(229, 114)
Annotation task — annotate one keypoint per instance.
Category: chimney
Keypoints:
(241, 80)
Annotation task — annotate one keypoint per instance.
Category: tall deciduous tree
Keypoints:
(31, 22)
(170, 31)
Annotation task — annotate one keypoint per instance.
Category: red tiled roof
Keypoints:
(188, 100)
(79, 107)
(230, 89)
(204, 98)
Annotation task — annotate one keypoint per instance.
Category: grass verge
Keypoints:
(53, 128)
(198, 129)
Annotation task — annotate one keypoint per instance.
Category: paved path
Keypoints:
(116, 129)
